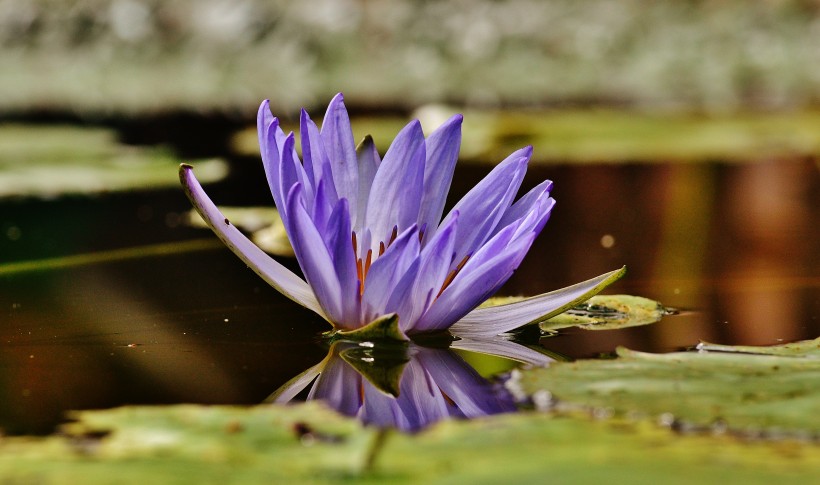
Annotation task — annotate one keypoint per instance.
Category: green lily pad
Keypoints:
(308, 444)
(49, 161)
(745, 391)
(608, 312)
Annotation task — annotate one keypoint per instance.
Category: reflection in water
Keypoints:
(406, 385)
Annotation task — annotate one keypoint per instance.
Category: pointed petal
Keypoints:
(291, 173)
(264, 118)
(271, 271)
(442, 152)
(314, 258)
(484, 205)
(313, 152)
(368, 165)
(396, 192)
(337, 137)
(503, 318)
(525, 204)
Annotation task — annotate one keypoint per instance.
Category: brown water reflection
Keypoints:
(734, 246)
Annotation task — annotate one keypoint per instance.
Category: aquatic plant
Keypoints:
(369, 236)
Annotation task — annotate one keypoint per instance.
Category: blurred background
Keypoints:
(683, 138)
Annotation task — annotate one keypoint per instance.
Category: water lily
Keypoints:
(370, 239)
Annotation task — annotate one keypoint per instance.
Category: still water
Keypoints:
(734, 247)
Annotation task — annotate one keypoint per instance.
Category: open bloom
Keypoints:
(369, 234)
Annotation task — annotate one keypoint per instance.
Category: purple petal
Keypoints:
(344, 260)
(442, 152)
(483, 274)
(525, 204)
(269, 269)
(386, 272)
(502, 318)
(484, 205)
(396, 192)
(422, 282)
(291, 173)
(337, 137)
(313, 151)
(314, 258)
(264, 118)
(368, 166)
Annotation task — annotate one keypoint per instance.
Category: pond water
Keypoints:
(732, 246)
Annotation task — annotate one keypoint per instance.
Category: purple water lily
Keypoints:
(370, 239)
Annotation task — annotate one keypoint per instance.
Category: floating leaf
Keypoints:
(745, 391)
(307, 443)
(806, 348)
(608, 312)
(49, 161)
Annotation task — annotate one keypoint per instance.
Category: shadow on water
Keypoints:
(734, 246)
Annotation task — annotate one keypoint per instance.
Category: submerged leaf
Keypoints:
(742, 390)
(608, 312)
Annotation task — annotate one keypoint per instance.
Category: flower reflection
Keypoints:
(406, 385)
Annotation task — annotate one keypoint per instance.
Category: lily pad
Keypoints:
(608, 312)
(747, 392)
(50, 161)
(307, 443)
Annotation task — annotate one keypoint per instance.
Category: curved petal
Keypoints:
(503, 318)
(442, 148)
(314, 258)
(276, 275)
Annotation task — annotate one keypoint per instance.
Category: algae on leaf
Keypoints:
(750, 393)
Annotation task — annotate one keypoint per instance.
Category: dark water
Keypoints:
(733, 246)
